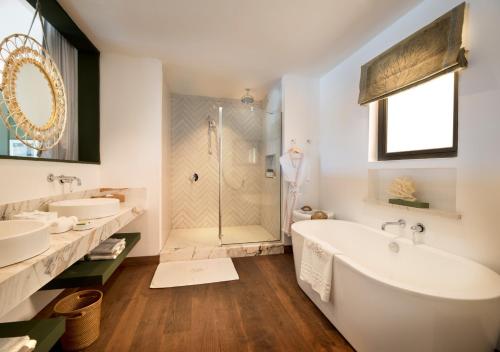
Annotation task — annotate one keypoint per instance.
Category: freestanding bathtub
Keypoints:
(419, 299)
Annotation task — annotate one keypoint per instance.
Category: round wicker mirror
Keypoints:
(32, 94)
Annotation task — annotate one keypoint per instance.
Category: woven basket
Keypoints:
(82, 311)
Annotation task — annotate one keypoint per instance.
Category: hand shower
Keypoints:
(212, 126)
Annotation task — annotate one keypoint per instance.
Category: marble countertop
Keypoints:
(21, 280)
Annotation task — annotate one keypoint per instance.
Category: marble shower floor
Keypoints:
(208, 236)
(203, 243)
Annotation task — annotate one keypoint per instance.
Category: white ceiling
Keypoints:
(219, 47)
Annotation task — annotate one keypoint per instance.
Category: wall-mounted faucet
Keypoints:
(64, 179)
(401, 223)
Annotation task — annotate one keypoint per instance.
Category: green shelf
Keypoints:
(407, 203)
(91, 273)
(46, 332)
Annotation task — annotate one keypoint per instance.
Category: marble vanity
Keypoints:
(21, 280)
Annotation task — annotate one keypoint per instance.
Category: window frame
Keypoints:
(416, 154)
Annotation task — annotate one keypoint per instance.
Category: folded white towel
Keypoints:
(108, 249)
(110, 246)
(316, 268)
(16, 344)
(101, 256)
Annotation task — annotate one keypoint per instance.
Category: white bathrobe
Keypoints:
(295, 173)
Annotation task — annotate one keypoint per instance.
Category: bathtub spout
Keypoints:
(401, 223)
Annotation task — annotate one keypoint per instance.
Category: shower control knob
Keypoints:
(195, 177)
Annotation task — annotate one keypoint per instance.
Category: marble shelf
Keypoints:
(21, 280)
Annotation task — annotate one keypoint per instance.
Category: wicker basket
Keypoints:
(82, 311)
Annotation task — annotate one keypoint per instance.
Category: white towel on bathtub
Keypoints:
(316, 268)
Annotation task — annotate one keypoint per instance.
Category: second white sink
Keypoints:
(88, 208)
(22, 239)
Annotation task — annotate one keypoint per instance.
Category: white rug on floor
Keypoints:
(193, 272)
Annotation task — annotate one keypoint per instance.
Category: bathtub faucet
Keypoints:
(401, 223)
(417, 229)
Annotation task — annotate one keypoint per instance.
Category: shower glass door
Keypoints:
(249, 172)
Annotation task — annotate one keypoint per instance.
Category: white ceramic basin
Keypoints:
(88, 208)
(22, 239)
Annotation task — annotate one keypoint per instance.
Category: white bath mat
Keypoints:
(193, 272)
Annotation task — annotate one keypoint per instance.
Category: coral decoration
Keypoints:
(403, 188)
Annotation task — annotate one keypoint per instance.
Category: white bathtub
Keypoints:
(420, 299)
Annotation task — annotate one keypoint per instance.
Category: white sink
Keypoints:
(22, 239)
(88, 208)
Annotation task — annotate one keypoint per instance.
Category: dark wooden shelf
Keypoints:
(46, 332)
(91, 273)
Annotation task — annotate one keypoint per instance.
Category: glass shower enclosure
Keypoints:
(249, 173)
(225, 173)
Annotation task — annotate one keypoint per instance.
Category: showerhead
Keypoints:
(247, 99)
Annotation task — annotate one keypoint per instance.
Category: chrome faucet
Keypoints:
(417, 229)
(64, 179)
(401, 223)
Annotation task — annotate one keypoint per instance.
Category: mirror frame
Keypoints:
(88, 85)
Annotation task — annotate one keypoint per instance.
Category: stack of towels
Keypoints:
(109, 249)
(17, 344)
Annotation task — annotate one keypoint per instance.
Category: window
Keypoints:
(420, 122)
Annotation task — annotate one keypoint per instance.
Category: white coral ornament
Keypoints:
(403, 188)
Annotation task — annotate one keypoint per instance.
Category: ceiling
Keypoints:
(219, 47)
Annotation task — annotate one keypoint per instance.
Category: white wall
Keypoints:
(131, 137)
(26, 179)
(344, 138)
(301, 123)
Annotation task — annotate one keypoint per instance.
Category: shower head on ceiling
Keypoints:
(247, 99)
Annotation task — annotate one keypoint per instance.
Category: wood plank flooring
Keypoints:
(263, 311)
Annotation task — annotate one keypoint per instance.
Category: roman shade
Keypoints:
(434, 50)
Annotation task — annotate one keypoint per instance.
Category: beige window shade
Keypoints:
(434, 50)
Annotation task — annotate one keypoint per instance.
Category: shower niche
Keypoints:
(271, 166)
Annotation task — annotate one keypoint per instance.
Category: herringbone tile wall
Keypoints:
(196, 204)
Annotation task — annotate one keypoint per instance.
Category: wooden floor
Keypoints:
(263, 311)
